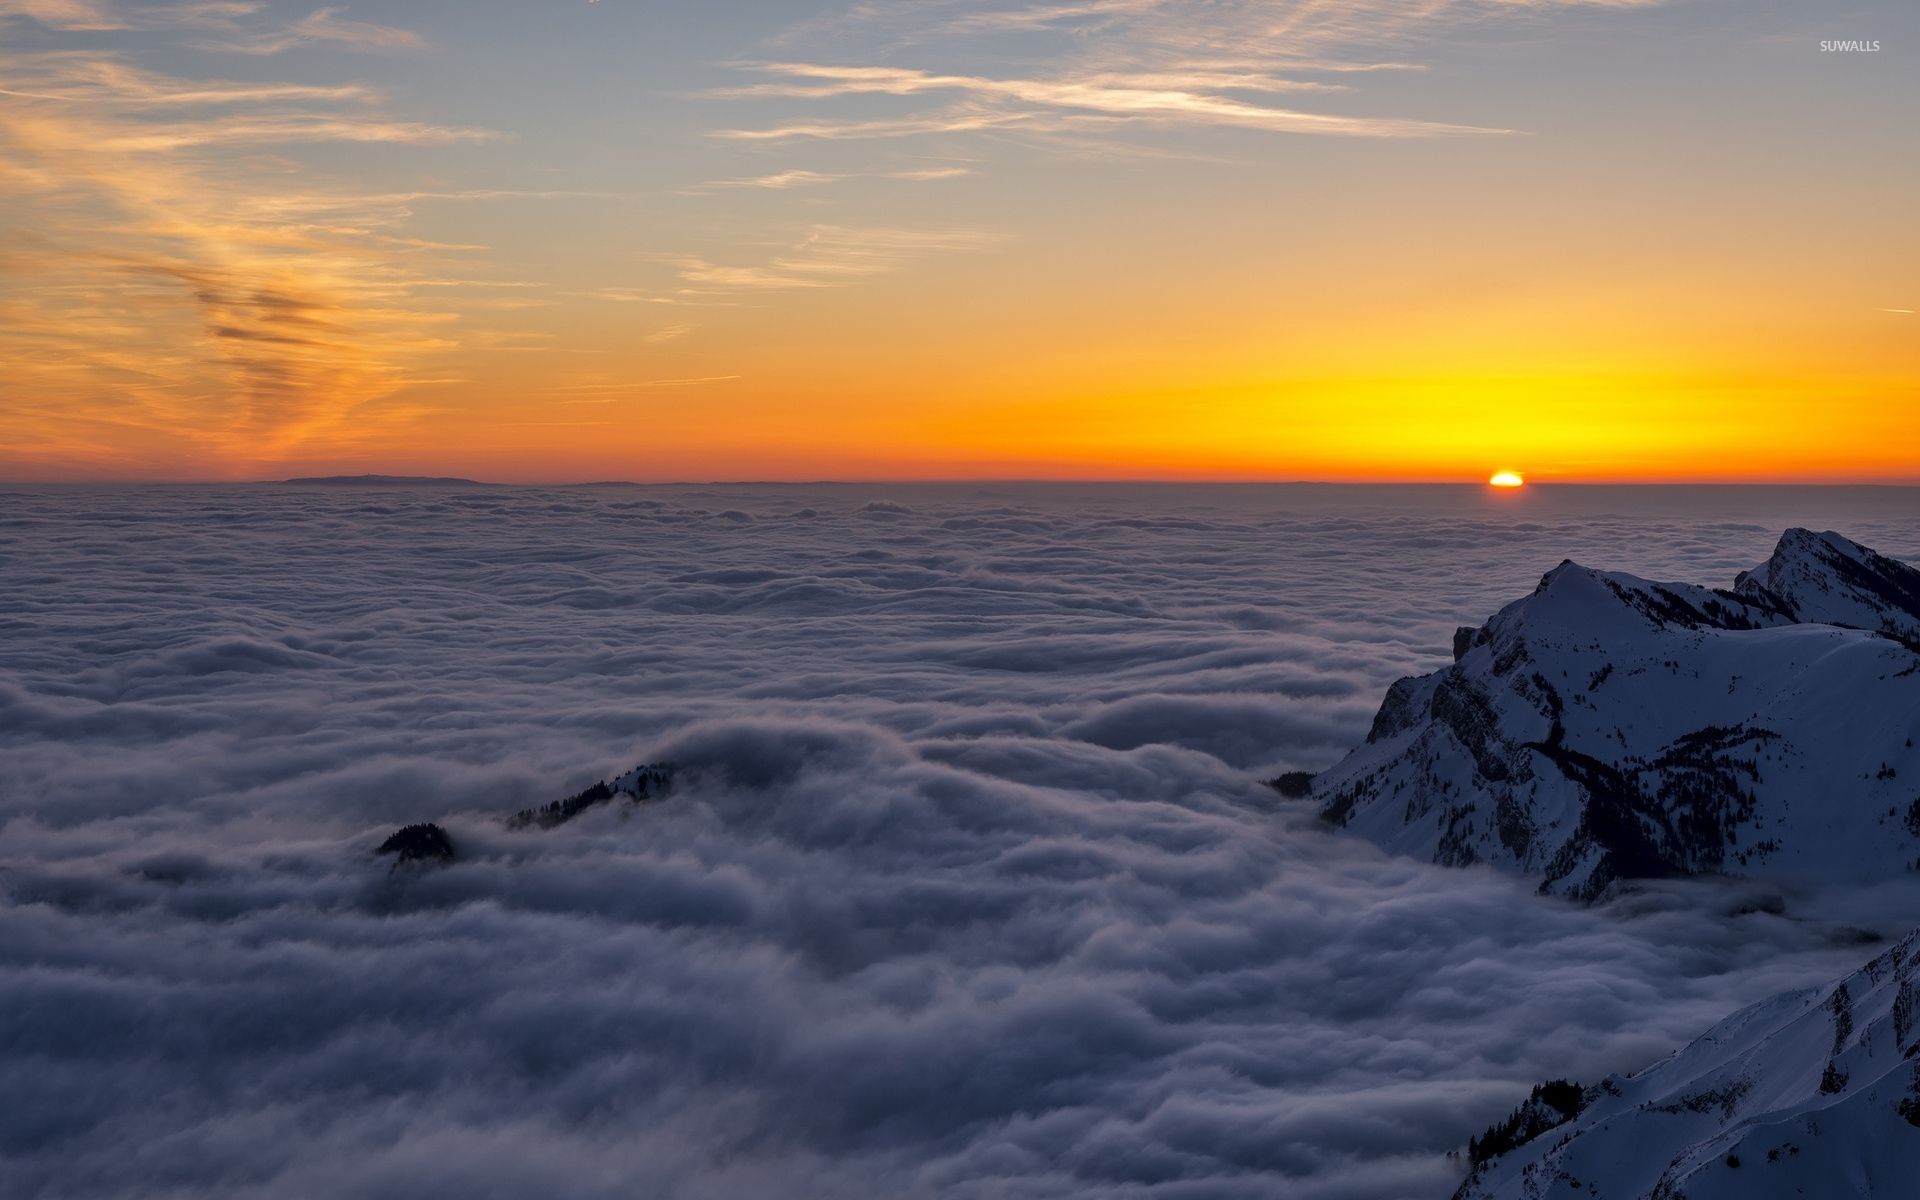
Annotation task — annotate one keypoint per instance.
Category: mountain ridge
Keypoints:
(1607, 727)
(1812, 1092)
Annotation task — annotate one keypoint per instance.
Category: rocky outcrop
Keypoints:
(646, 782)
(422, 843)
(1608, 727)
(428, 843)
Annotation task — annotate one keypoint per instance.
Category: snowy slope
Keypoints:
(1606, 727)
(1826, 578)
(1811, 1093)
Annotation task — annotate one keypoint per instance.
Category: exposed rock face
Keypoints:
(425, 842)
(1607, 728)
(428, 843)
(646, 782)
(1811, 1093)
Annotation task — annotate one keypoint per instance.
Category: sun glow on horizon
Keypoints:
(1507, 479)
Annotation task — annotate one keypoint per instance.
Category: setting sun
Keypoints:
(1507, 479)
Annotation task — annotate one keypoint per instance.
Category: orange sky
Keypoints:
(1150, 238)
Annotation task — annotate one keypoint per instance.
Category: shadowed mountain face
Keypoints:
(1607, 728)
(1815, 1092)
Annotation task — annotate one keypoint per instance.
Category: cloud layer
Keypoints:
(968, 891)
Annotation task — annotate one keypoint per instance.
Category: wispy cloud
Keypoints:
(235, 26)
(613, 391)
(94, 79)
(140, 110)
(284, 129)
(1301, 34)
(785, 180)
(1106, 99)
(194, 303)
(329, 27)
(625, 295)
(779, 181)
(1114, 67)
(833, 256)
(930, 174)
(97, 16)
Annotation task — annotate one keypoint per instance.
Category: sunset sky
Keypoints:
(797, 239)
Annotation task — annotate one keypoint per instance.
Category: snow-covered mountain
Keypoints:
(1824, 578)
(1811, 1093)
(1607, 727)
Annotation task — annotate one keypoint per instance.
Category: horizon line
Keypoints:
(376, 479)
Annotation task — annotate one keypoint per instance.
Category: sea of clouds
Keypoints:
(968, 890)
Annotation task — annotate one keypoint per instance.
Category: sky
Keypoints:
(790, 239)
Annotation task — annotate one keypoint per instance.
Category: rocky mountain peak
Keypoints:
(1833, 580)
(1610, 727)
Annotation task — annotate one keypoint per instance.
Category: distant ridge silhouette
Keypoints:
(385, 481)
